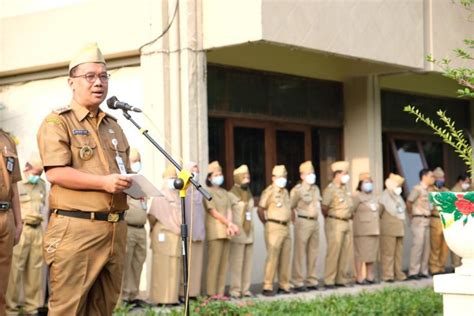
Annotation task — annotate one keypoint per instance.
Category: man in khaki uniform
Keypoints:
(136, 241)
(10, 214)
(165, 220)
(439, 249)
(275, 201)
(419, 211)
(336, 207)
(241, 246)
(306, 204)
(85, 155)
(27, 263)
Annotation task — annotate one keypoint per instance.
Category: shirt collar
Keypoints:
(82, 112)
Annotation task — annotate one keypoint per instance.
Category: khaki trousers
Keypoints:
(339, 257)
(166, 266)
(241, 268)
(420, 249)
(439, 248)
(85, 260)
(218, 261)
(196, 256)
(135, 256)
(305, 252)
(278, 243)
(27, 271)
(391, 250)
(7, 234)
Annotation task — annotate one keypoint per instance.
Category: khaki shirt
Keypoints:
(420, 198)
(32, 200)
(366, 214)
(222, 204)
(136, 214)
(338, 200)
(458, 188)
(9, 167)
(306, 199)
(167, 210)
(242, 214)
(276, 201)
(73, 137)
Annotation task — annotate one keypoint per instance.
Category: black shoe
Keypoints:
(388, 281)
(363, 282)
(248, 295)
(283, 291)
(312, 288)
(344, 285)
(423, 276)
(139, 303)
(371, 281)
(330, 286)
(413, 277)
(300, 289)
(268, 293)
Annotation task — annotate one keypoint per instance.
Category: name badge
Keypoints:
(399, 209)
(82, 132)
(143, 204)
(161, 237)
(248, 216)
(10, 164)
(373, 206)
(121, 165)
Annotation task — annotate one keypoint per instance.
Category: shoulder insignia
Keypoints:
(111, 116)
(62, 109)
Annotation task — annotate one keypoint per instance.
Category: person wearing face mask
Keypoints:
(135, 253)
(241, 246)
(392, 229)
(463, 184)
(195, 218)
(439, 249)
(275, 213)
(366, 228)
(27, 261)
(419, 211)
(219, 229)
(165, 223)
(305, 200)
(336, 207)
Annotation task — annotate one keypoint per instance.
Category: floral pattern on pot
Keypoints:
(459, 205)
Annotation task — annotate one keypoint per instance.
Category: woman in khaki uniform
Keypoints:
(366, 228)
(219, 228)
(392, 229)
(241, 246)
(165, 222)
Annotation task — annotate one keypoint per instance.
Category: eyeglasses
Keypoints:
(92, 77)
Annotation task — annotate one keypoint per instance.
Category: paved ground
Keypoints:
(324, 293)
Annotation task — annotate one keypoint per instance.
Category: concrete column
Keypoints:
(175, 91)
(363, 129)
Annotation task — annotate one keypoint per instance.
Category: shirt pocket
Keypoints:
(9, 161)
(85, 155)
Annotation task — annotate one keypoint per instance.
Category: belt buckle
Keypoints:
(4, 206)
(113, 217)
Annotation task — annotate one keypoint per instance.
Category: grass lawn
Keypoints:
(401, 301)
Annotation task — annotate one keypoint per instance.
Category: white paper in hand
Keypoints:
(141, 187)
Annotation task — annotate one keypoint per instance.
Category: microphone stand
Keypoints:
(181, 183)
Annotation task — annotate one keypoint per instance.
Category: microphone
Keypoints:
(115, 104)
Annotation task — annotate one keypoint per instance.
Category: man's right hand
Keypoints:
(116, 183)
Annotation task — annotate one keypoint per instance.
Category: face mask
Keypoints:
(136, 166)
(465, 186)
(217, 181)
(281, 182)
(33, 179)
(367, 187)
(171, 184)
(398, 191)
(439, 183)
(310, 178)
(345, 178)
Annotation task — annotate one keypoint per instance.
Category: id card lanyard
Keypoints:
(118, 159)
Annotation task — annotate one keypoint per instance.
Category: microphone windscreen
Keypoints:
(111, 102)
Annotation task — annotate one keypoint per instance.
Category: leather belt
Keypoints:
(5, 206)
(425, 216)
(136, 226)
(312, 218)
(277, 222)
(32, 225)
(339, 218)
(107, 217)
